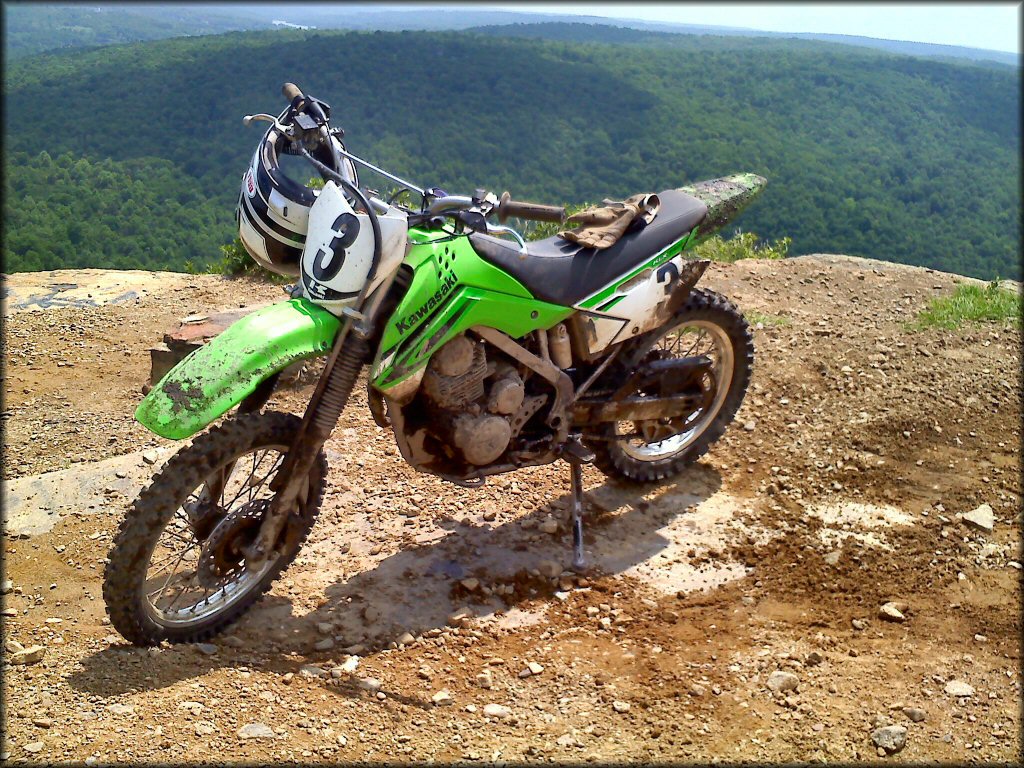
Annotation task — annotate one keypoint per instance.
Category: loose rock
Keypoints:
(891, 738)
(497, 710)
(255, 731)
(620, 706)
(780, 681)
(31, 655)
(893, 611)
(959, 688)
(441, 698)
(915, 714)
(981, 518)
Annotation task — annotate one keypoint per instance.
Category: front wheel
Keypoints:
(707, 324)
(177, 570)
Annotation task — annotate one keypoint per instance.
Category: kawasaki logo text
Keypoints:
(408, 322)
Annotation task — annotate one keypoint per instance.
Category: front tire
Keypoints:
(672, 447)
(178, 512)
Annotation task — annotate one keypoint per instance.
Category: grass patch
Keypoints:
(743, 245)
(970, 303)
(768, 321)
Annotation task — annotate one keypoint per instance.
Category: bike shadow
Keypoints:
(417, 589)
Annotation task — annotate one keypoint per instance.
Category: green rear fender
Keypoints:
(219, 375)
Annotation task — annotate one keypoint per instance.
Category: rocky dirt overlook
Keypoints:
(838, 579)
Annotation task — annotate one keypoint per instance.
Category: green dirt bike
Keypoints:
(486, 354)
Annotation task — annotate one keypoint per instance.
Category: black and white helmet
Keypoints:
(273, 210)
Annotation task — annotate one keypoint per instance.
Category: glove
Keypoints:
(602, 226)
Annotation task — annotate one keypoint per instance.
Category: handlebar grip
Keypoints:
(291, 91)
(534, 211)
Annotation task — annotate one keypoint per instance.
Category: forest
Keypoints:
(130, 156)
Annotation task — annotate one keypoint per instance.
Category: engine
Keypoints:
(472, 402)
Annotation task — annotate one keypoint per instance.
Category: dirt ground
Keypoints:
(839, 487)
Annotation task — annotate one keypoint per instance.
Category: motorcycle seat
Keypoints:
(560, 272)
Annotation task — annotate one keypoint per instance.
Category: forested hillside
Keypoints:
(868, 154)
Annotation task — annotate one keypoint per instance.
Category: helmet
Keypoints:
(273, 210)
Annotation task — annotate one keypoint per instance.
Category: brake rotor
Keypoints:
(223, 554)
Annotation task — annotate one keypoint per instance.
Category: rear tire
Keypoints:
(719, 319)
(165, 508)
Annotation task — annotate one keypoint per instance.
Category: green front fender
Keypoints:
(219, 375)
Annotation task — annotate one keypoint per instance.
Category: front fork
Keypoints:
(346, 360)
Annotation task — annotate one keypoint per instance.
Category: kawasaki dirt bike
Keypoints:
(486, 354)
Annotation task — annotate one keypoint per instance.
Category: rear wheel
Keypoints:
(707, 324)
(177, 570)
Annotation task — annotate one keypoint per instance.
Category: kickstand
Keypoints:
(577, 455)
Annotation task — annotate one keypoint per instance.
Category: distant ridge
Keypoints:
(34, 28)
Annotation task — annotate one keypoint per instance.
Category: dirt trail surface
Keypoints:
(736, 611)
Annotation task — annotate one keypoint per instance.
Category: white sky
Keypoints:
(995, 26)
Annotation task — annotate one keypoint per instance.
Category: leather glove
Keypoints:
(602, 226)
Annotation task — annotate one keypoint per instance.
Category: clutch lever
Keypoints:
(498, 229)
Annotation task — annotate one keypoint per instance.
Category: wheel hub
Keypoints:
(223, 553)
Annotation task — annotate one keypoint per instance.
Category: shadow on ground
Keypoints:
(416, 589)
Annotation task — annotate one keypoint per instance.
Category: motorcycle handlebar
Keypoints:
(291, 92)
(533, 211)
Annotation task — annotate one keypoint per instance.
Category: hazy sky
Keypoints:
(995, 26)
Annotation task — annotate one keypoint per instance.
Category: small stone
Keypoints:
(441, 698)
(497, 710)
(355, 650)
(535, 668)
(916, 714)
(13, 646)
(669, 616)
(6, 587)
(150, 457)
(696, 690)
(35, 746)
(814, 659)
(342, 739)
(255, 731)
(890, 738)
(549, 569)
(550, 526)
(620, 706)
(459, 616)
(780, 681)
(470, 584)
(593, 610)
(311, 670)
(233, 642)
(325, 628)
(981, 518)
(405, 638)
(120, 709)
(42, 722)
(371, 614)
(208, 649)
(485, 679)
(324, 645)
(371, 684)
(959, 688)
(749, 426)
(891, 611)
(31, 655)
(859, 624)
